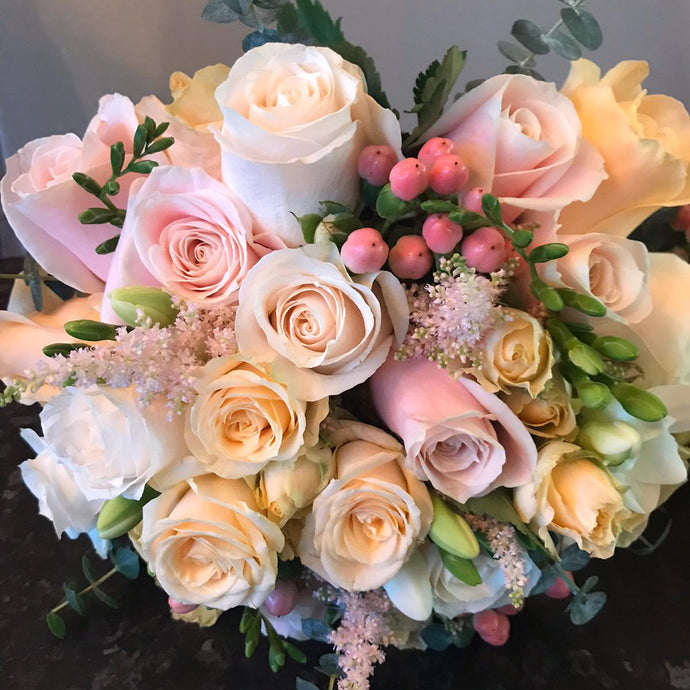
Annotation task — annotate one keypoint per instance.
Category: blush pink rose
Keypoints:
(42, 202)
(522, 141)
(187, 232)
(461, 438)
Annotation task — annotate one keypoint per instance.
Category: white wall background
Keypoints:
(58, 56)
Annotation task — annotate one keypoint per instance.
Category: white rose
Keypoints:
(207, 543)
(322, 330)
(244, 418)
(294, 121)
(612, 269)
(368, 521)
(110, 445)
(59, 498)
(285, 488)
(571, 495)
(516, 353)
(453, 598)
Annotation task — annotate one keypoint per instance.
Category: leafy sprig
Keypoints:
(278, 647)
(576, 28)
(148, 140)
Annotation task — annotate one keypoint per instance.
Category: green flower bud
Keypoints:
(639, 403)
(119, 515)
(548, 296)
(593, 394)
(522, 238)
(309, 223)
(586, 358)
(617, 349)
(450, 532)
(336, 227)
(91, 330)
(615, 441)
(64, 349)
(547, 252)
(155, 303)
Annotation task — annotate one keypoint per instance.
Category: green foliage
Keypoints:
(586, 603)
(461, 568)
(359, 56)
(301, 684)
(530, 36)
(316, 629)
(126, 562)
(583, 26)
(278, 648)
(56, 625)
(439, 637)
(316, 20)
(432, 89)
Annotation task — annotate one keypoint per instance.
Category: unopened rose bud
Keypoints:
(616, 441)
(130, 302)
(451, 532)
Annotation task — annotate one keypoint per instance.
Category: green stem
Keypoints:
(331, 683)
(86, 590)
(566, 577)
(22, 276)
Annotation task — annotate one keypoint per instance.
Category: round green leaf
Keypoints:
(565, 46)
(514, 52)
(530, 35)
(583, 26)
(56, 625)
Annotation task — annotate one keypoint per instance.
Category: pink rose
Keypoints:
(185, 231)
(461, 438)
(42, 202)
(522, 141)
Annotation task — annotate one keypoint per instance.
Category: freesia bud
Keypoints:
(639, 403)
(155, 304)
(86, 329)
(450, 531)
(616, 441)
(119, 515)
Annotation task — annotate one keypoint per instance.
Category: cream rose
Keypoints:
(571, 495)
(517, 353)
(108, 443)
(208, 543)
(645, 142)
(615, 270)
(243, 418)
(194, 98)
(522, 141)
(24, 333)
(369, 519)
(452, 597)
(187, 232)
(294, 121)
(321, 329)
(461, 438)
(284, 489)
(550, 414)
(59, 497)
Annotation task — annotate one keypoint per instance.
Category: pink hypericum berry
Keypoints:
(510, 610)
(484, 250)
(492, 627)
(682, 219)
(558, 590)
(448, 174)
(473, 199)
(282, 599)
(440, 233)
(409, 178)
(410, 258)
(180, 608)
(375, 163)
(435, 148)
(364, 251)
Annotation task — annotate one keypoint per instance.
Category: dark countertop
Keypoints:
(640, 641)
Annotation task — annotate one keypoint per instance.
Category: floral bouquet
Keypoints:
(375, 388)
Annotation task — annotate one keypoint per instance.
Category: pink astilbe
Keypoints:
(450, 317)
(506, 549)
(358, 639)
(157, 361)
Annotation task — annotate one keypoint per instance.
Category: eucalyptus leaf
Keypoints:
(220, 12)
(87, 568)
(259, 38)
(437, 638)
(328, 663)
(573, 558)
(126, 562)
(316, 629)
(586, 608)
(301, 684)
(105, 598)
(583, 26)
(515, 52)
(549, 575)
(520, 69)
(74, 600)
(562, 44)
(56, 625)
(530, 36)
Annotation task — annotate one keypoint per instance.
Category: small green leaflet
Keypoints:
(583, 26)
(56, 625)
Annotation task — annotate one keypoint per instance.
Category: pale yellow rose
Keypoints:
(243, 419)
(368, 521)
(284, 489)
(572, 496)
(645, 142)
(515, 354)
(194, 98)
(208, 543)
(550, 414)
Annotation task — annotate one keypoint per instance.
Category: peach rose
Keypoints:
(461, 438)
(369, 519)
(208, 543)
(194, 99)
(295, 118)
(645, 142)
(186, 232)
(323, 330)
(522, 141)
